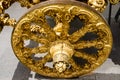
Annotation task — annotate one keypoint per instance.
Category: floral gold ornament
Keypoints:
(99, 5)
(73, 50)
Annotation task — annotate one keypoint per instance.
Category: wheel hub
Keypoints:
(61, 52)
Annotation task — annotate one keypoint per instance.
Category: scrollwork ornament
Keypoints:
(99, 5)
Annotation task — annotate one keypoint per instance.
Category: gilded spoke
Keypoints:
(86, 56)
(35, 37)
(87, 44)
(41, 49)
(45, 59)
(81, 32)
(49, 32)
(65, 30)
(61, 29)
(62, 24)
(30, 51)
(74, 65)
(26, 52)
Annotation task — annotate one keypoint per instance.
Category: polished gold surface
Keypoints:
(78, 59)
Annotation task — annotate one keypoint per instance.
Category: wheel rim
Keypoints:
(34, 26)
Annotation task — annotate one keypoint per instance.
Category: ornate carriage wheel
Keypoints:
(72, 50)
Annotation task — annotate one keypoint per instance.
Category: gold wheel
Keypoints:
(72, 51)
